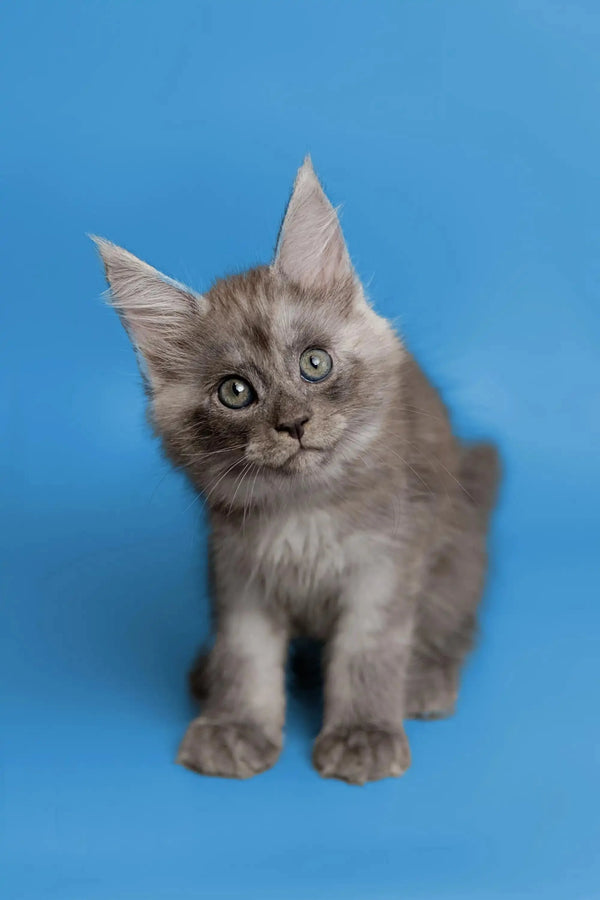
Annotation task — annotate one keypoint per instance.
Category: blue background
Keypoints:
(464, 140)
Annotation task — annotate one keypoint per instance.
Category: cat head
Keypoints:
(277, 379)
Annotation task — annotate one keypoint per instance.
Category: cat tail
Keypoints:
(480, 473)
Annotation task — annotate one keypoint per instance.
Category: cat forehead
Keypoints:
(266, 313)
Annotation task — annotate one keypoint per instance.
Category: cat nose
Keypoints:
(295, 429)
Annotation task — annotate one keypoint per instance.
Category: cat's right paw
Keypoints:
(358, 754)
(229, 749)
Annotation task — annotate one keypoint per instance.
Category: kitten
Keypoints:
(341, 505)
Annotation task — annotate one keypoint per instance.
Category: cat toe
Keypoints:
(358, 754)
(228, 749)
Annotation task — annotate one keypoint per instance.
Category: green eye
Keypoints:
(236, 393)
(315, 364)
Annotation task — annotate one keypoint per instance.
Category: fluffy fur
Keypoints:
(364, 527)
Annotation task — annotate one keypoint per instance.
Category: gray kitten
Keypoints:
(341, 505)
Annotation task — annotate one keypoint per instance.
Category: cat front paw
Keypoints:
(361, 753)
(229, 749)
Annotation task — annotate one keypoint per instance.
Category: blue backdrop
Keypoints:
(463, 139)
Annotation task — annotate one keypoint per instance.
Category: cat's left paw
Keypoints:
(358, 754)
(229, 749)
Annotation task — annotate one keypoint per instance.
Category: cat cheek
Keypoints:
(231, 424)
(257, 450)
(337, 391)
(329, 429)
(266, 456)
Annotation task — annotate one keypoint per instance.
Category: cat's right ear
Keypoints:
(157, 312)
(310, 248)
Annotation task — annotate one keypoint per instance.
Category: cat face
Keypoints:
(275, 379)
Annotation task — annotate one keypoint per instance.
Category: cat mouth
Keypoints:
(302, 459)
(303, 452)
(307, 448)
(296, 459)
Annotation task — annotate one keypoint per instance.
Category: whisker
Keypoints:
(245, 471)
(205, 453)
(221, 477)
(423, 412)
(248, 505)
(412, 469)
(158, 484)
(437, 460)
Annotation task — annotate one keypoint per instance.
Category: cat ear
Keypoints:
(311, 249)
(157, 312)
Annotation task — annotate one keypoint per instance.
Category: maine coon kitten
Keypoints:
(341, 505)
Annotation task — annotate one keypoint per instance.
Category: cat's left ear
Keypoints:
(158, 313)
(311, 249)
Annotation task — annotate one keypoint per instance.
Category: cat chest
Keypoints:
(302, 558)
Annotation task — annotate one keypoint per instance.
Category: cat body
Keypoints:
(341, 506)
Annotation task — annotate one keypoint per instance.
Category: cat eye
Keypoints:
(315, 364)
(236, 393)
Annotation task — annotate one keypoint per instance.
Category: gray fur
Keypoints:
(368, 533)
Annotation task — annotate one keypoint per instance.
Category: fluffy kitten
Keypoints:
(341, 505)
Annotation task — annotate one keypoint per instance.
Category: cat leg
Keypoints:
(363, 737)
(432, 687)
(240, 730)
(445, 623)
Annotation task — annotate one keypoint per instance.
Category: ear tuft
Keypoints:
(156, 310)
(311, 249)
